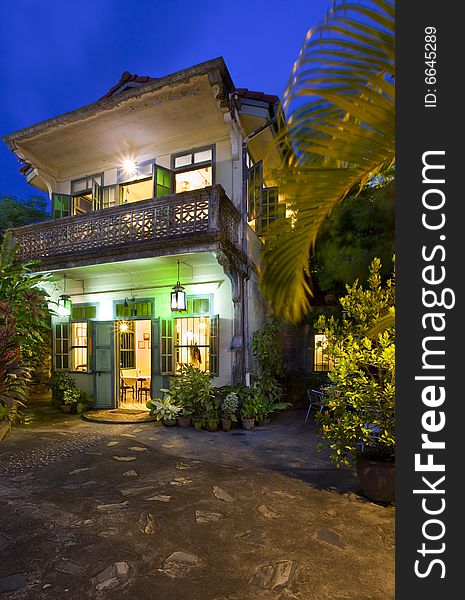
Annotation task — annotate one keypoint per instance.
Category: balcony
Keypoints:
(198, 219)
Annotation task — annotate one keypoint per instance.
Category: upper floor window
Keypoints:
(193, 170)
(86, 193)
(135, 181)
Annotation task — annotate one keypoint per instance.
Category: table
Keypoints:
(138, 379)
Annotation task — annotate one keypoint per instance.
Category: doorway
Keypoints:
(134, 354)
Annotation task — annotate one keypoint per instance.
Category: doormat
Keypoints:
(118, 415)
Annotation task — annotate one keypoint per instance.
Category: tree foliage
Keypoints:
(24, 325)
(361, 408)
(16, 213)
(340, 132)
(359, 229)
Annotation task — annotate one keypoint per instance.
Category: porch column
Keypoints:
(236, 275)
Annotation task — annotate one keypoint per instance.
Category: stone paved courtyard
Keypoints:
(92, 510)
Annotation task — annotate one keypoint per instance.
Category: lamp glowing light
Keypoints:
(178, 297)
(64, 305)
(123, 326)
(130, 166)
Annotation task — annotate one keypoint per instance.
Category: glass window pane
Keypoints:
(79, 185)
(182, 161)
(193, 180)
(202, 156)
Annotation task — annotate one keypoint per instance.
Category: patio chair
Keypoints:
(315, 398)
(374, 435)
(145, 391)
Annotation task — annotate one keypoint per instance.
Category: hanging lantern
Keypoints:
(178, 297)
(64, 305)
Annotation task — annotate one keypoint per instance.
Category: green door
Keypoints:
(104, 379)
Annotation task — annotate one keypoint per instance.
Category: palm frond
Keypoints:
(340, 126)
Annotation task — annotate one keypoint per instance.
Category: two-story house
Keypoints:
(160, 197)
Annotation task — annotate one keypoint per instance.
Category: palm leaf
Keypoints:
(339, 114)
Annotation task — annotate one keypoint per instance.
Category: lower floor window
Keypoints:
(127, 345)
(79, 347)
(321, 360)
(61, 346)
(192, 342)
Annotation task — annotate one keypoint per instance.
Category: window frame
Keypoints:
(62, 338)
(326, 363)
(194, 166)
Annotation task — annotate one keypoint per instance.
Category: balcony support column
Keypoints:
(236, 273)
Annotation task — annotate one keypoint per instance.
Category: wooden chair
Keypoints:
(145, 390)
(124, 387)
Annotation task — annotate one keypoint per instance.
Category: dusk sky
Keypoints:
(57, 56)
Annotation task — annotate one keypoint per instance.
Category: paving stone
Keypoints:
(330, 537)
(180, 564)
(160, 498)
(122, 569)
(112, 443)
(255, 537)
(4, 542)
(181, 481)
(108, 584)
(202, 516)
(138, 448)
(11, 583)
(273, 576)
(67, 566)
(124, 458)
(182, 467)
(147, 523)
(221, 494)
(112, 507)
(266, 512)
(284, 494)
(136, 490)
(80, 470)
(130, 473)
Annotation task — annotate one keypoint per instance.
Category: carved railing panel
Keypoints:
(187, 214)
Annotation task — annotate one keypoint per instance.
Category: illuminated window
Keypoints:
(136, 191)
(321, 360)
(192, 342)
(127, 346)
(193, 170)
(79, 346)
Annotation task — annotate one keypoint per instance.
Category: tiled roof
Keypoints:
(246, 93)
(125, 78)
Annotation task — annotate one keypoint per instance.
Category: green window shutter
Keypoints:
(96, 196)
(254, 190)
(61, 205)
(90, 354)
(123, 311)
(143, 309)
(201, 306)
(82, 313)
(214, 345)
(166, 346)
(163, 181)
(156, 346)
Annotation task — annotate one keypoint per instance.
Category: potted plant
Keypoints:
(193, 391)
(229, 409)
(251, 410)
(360, 421)
(164, 409)
(72, 396)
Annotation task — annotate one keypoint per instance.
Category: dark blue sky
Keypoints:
(58, 55)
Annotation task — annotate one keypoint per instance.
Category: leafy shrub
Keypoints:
(192, 391)
(163, 408)
(361, 406)
(230, 406)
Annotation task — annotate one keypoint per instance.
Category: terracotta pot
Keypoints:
(184, 421)
(248, 424)
(211, 427)
(169, 422)
(377, 478)
(226, 423)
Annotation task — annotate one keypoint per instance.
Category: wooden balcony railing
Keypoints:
(205, 211)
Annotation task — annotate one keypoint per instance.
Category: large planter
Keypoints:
(184, 422)
(377, 478)
(226, 423)
(169, 422)
(247, 424)
(66, 408)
